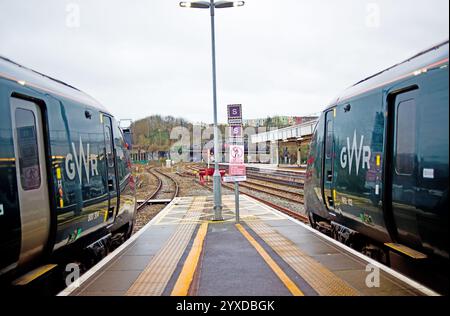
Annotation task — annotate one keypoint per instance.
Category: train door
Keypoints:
(404, 166)
(328, 164)
(111, 167)
(31, 176)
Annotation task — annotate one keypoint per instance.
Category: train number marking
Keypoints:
(355, 153)
(93, 216)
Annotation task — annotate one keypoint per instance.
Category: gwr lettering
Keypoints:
(80, 160)
(355, 152)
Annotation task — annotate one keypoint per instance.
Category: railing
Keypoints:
(296, 131)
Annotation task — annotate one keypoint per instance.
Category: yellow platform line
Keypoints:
(321, 279)
(186, 276)
(154, 278)
(290, 285)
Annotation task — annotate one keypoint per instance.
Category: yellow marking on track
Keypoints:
(186, 276)
(290, 285)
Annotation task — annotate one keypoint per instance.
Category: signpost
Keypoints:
(237, 170)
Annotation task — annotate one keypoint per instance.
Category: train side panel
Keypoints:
(378, 162)
(357, 182)
(79, 171)
(83, 169)
(418, 168)
(10, 230)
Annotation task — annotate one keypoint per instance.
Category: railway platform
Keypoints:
(273, 167)
(183, 252)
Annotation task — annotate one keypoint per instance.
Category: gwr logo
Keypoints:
(80, 160)
(356, 152)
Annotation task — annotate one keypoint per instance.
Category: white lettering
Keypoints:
(344, 157)
(373, 278)
(70, 167)
(94, 170)
(74, 167)
(356, 151)
(366, 157)
(73, 278)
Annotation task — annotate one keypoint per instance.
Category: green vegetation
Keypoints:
(153, 133)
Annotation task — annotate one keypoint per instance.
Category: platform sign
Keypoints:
(236, 154)
(236, 131)
(235, 114)
(237, 171)
(233, 179)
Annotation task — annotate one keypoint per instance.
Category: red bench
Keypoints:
(209, 172)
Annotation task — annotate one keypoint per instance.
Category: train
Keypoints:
(378, 166)
(66, 184)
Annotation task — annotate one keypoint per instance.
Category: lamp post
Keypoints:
(211, 5)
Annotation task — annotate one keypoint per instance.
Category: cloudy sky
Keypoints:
(276, 57)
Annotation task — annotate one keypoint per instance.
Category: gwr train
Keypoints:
(378, 166)
(65, 173)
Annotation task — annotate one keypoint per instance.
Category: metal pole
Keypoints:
(236, 200)
(216, 178)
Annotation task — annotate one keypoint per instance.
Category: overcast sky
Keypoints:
(276, 57)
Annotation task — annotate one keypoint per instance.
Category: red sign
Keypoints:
(237, 170)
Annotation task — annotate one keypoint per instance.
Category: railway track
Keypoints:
(268, 190)
(165, 182)
(292, 182)
(282, 193)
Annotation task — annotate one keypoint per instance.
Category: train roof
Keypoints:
(13, 71)
(429, 58)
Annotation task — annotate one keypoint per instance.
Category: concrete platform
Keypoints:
(183, 252)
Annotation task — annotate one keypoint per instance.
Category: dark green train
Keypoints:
(378, 166)
(65, 173)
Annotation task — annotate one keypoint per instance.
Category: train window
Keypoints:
(406, 137)
(119, 145)
(109, 151)
(30, 176)
(329, 139)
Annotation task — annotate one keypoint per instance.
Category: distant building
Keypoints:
(279, 121)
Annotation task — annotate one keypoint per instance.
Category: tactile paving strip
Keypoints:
(154, 279)
(322, 280)
(249, 210)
